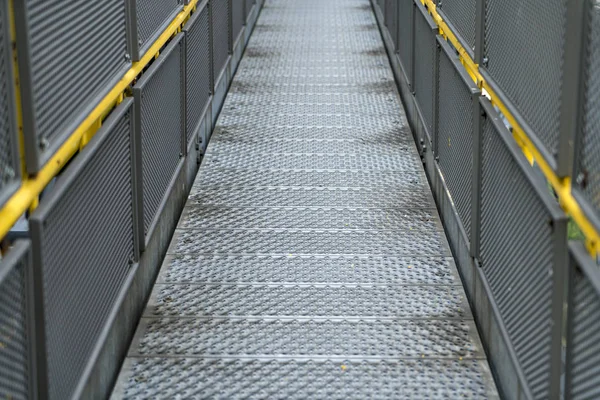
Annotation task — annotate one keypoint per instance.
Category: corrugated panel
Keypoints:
(70, 55)
(159, 128)
(583, 345)
(237, 18)
(425, 52)
(404, 46)
(9, 151)
(249, 4)
(525, 60)
(517, 252)
(149, 18)
(197, 70)
(587, 163)
(462, 16)
(455, 133)
(220, 35)
(15, 349)
(83, 241)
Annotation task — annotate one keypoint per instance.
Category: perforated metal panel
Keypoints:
(148, 19)
(70, 56)
(220, 35)
(197, 69)
(10, 170)
(455, 132)
(237, 18)
(425, 53)
(248, 8)
(406, 14)
(525, 61)
(461, 14)
(391, 19)
(583, 341)
(517, 252)
(159, 127)
(15, 308)
(83, 241)
(587, 163)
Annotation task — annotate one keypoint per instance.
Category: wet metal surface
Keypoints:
(309, 261)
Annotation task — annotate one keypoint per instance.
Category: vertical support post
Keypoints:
(436, 97)
(476, 184)
(578, 12)
(571, 274)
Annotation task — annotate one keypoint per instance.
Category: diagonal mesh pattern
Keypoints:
(152, 18)
(405, 35)
(584, 336)
(9, 168)
(425, 49)
(159, 95)
(516, 256)
(197, 69)
(455, 136)
(462, 15)
(83, 236)
(588, 150)
(14, 338)
(237, 18)
(62, 37)
(525, 60)
(220, 35)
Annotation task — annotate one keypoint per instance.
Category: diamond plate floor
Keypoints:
(309, 261)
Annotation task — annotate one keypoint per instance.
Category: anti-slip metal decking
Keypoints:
(309, 261)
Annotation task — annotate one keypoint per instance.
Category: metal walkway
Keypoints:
(309, 261)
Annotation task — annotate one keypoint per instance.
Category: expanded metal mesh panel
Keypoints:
(159, 105)
(425, 49)
(405, 35)
(9, 156)
(249, 4)
(220, 35)
(584, 333)
(516, 256)
(462, 15)
(197, 69)
(454, 137)
(391, 19)
(14, 337)
(152, 17)
(525, 60)
(83, 245)
(76, 51)
(237, 18)
(588, 149)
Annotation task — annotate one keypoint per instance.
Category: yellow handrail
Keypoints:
(32, 187)
(562, 186)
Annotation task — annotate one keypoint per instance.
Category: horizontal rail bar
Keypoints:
(31, 187)
(562, 186)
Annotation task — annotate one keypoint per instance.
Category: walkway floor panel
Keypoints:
(309, 261)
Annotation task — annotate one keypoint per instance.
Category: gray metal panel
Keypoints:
(406, 15)
(583, 340)
(519, 222)
(219, 11)
(587, 159)
(198, 70)
(10, 168)
(160, 128)
(237, 18)
(425, 48)
(248, 9)
(148, 19)
(83, 241)
(16, 351)
(62, 46)
(525, 62)
(457, 95)
(391, 19)
(461, 15)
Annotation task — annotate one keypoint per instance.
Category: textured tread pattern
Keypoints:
(310, 255)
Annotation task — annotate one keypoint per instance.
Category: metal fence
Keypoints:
(117, 104)
(494, 90)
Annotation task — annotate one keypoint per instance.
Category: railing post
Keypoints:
(476, 184)
(573, 83)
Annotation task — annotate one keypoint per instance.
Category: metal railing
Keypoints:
(496, 91)
(114, 101)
